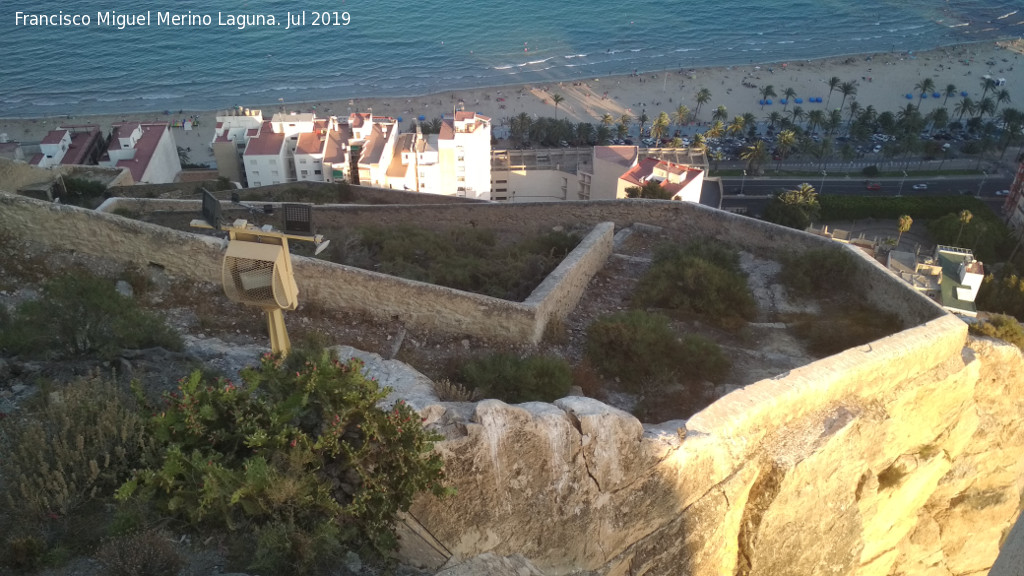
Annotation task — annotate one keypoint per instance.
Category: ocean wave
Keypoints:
(574, 56)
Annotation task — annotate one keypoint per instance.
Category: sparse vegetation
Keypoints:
(146, 553)
(81, 192)
(471, 259)
(82, 314)
(843, 327)
(817, 272)
(1001, 326)
(516, 379)
(642, 351)
(794, 208)
(891, 477)
(700, 278)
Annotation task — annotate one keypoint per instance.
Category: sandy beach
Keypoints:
(882, 80)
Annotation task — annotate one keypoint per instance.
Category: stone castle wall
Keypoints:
(905, 456)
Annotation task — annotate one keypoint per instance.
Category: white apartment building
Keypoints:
(147, 150)
(230, 137)
(464, 156)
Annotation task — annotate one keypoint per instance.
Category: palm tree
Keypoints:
(625, 119)
(766, 93)
(755, 155)
(833, 83)
(660, 126)
(986, 106)
(703, 97)
(520, 127)
(854, 110)
(939, 118)
(1012, 119)
(905, 222)
(987, 83)
(834, 121)
(642, 120)
(681, 115)
(557, 99)
(698, 142)
(721, 113)
(965, 106)
(736, 126)
(607, 120)
(773, 118)
(716, 130)
(965, 218)
(949, 92)
(924, 87)
(797, 114)
(622, 128)
(787, 95)
(1002, 97)
(815, 118)
(784, 144)
(847, 89)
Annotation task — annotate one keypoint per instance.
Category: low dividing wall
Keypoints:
(418, 305)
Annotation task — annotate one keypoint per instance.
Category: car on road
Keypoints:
(1003, 193)
(873, 185)
(920, 186)
(877, 148)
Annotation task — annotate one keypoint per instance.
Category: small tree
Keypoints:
(794, 208)
(965, 218)
(651, 190)
(905, 222)
(557, 99)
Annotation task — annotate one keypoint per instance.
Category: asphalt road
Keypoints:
(938, 186)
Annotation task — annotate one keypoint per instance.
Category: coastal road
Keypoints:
(937, 186)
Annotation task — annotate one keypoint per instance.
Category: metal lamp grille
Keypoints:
(253, 282)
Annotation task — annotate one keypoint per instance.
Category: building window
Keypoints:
(274, 173)
(302, 161)
(316, 172)
(255, 172)
(305, 173)
(256, 184)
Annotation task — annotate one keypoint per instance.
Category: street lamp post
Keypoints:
(743, 183)
(982, 183)
(902, 180)
(822, 187)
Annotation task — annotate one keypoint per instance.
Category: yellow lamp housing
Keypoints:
(259, 275)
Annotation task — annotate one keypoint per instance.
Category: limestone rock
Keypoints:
(124, 289)
(405, 382)
(493, 565)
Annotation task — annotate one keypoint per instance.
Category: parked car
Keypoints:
(1003, 193)
(920, 186)
(877, 148)
(873, 185)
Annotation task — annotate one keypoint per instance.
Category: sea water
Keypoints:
(121, 62)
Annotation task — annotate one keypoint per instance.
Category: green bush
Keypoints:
(870, 171)
(82, 192)
(817, 272)
(81, 314)
(986, 235)
(701, 278)
(643, 352)
(296, 455)
(1003, 327)
(854, 207)
(513, 379)
(1003, 293)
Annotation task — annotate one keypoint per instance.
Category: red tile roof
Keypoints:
(266, 144)
(81, 144)
(144, 147)
(54, 136)
(120, 131)
(358, 118)
(309, 143)
(643, 171)
(36, 158)
(447, 130)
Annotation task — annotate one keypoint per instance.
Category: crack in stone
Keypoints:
(583, 451)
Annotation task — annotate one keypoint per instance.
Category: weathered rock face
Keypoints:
(903, 457)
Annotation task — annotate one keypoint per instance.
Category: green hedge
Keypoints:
(891, 207)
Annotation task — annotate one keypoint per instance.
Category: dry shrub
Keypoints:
(448, 391)
(148, 553)
(586, 377)
(77, 446)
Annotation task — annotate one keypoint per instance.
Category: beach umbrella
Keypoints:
(799, 100)
(910, 96)
(783, 102)
(422, 118)
(923, 96)
(761, 102)
(399, 119)
(768, 101)
(936, 95)
(964, 94)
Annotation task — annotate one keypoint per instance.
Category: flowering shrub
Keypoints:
(298, 457)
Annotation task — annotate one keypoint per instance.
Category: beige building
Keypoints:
(232, 133)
